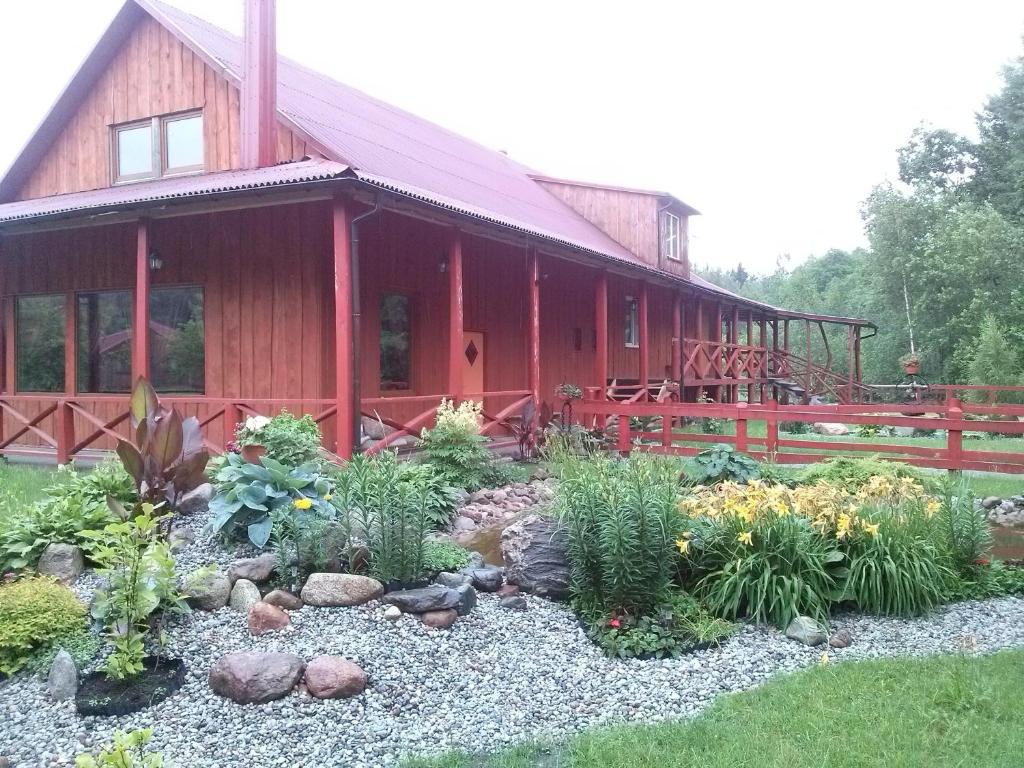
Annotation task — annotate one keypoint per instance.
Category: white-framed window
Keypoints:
(671, 236)
(632, 331)
(159, 146)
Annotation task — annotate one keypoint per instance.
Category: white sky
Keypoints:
(773, 119)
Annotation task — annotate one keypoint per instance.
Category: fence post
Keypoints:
(741, 427)
(232, 417)
(65, 431)
(624, 441)
(771, 441)
(954, 437)
(666, 429)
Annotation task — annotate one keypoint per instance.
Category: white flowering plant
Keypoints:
(289, 439)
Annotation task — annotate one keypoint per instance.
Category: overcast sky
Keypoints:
(773, 119)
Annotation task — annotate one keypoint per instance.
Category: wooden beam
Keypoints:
(140, 321)
(456, 315)
(10, 362)
(734, 339)
(677, 338)
(601, 332)
(344, 372)
(533, 323)
(644, 345)
(258, 103)
(70, 344)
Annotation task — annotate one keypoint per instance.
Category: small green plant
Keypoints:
(869, 430)
(289, 439)
(443, 556)
(708, 424)
(964, 527)
(34, 612)
(250, 497)
(456, 449)
(794, 427)
(128, 750)
(852, 474)
(722, 463)
(141, 584)
(83, 646)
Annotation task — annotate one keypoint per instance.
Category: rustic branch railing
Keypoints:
(954, 418)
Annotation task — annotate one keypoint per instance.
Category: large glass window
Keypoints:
(183, 139)
(177, 340)
(671, 240)
(39, 343)
(104, 342)
(135, 152)
(395, 347)
(157, 147)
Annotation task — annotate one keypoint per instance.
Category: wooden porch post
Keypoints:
(645, 348)
(533, 301)
(807, 344)
(856, 357)
(699, 364)
(601, 333)
(762, 369)
(677, 339)
(140, 324)
(10, 364)
(734, 340)
(344, 373)
(456, 316)
(719, 356)
(750, 353)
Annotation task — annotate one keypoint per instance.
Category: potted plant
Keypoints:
(911, 363)
(249, 439)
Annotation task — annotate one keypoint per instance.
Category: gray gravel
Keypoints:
(495, 678)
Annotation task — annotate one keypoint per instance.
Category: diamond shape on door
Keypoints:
(472, 352)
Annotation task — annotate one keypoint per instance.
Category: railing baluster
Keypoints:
(65, 431)
(624, 439)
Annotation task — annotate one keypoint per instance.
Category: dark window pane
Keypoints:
(395, 332)
(184, 142)
(39, 343)
(104, 331)
(135, 151)
(177, 340)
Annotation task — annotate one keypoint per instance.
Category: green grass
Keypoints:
(941, 712)
(21, 484)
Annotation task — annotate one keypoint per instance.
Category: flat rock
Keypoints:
(264, 618)
(508, 590)
(283, 599)
(180, 537)
(196, 502)
(255, 569)
(536, 560)
(487, 579)
(340, 589)
(62, 682)
(207, 590)
(467, 599)
(439, 619)
(244, 595)
(334, 677)
(806, 630)
(255, 678)
(828, 428)
(463, 523)
(453, 580)
(514, 603)
(62, 561)
(435, 597)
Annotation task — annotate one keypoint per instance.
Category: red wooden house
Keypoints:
(253, 235)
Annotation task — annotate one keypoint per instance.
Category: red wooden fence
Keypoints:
(659, 428)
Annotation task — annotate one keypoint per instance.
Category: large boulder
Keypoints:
(62, 561)
(828, 428)
(195, 502)
(536, 560)
(207, 590)
(255, 569)
(244, 595)
(62, 682)
(333, 677)
(806, 630)
(467, 599)
(264, 617)
(435, 597)
(255, 678)
(340, 589)
(487, 579)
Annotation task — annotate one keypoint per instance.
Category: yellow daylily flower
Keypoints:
(683, 545)
(871, 529)
(302, 503)
(746, 537)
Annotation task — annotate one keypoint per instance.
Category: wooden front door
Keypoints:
(473, 363)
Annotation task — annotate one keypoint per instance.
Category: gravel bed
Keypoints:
(497, 677)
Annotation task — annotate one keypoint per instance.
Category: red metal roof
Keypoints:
(199, 185)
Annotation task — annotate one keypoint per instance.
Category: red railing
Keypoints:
(668, 435)
(710, 363)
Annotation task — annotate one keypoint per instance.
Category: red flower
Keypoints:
(981, 561)
(231, 447)
(615, 623)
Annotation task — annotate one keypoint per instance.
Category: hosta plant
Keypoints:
(250, 496)
(723, 462)
(166, 457)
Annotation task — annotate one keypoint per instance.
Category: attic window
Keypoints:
(670, 240)
(161, 146)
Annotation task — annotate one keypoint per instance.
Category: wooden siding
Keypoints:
(153, 74)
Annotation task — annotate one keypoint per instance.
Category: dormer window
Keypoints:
(671, 241)
(161, 146)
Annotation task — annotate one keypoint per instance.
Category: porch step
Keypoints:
(790, 386)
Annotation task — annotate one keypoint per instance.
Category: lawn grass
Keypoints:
(899, 713)
(21, 484)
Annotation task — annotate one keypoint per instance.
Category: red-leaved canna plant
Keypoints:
(167, 458)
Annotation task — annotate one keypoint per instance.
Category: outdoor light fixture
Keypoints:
(155, 262)
(443, 266)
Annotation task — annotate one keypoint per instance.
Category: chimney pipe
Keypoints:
(259, 85)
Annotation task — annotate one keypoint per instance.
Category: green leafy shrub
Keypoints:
(444, 556)
(75, 502)
(250, 497)
(852, 474)
(622, 524)
(289, 439)
(34, 612)
(83, 646)
(966, 534)
(456, 449)
(141, 584)
(128, 750)
(721, 463)
(868, 430)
